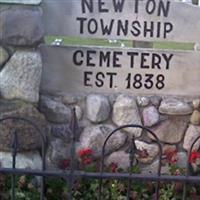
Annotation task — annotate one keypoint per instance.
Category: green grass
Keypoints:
(174, 45)
(87, 41)
(127, 43)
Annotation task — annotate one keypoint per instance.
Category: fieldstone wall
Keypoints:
(174, 120)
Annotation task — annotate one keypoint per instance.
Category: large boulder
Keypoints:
(28, 137)
(171, 130)
(21, 26)
(55, 111)
(192, 133)
(20, 77)
(174, 106)
(125, 112)
(94, 137)
(150, 116)
(98, 108)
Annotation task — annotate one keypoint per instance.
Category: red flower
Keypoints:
(193, 157)
(171, 156)
(87, 161)
(85, 152)
(64, 164)
(85, 156)
(113, 167)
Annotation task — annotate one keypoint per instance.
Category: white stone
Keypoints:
(142, 101)
(79, 112)
(195, 118)
(20, 77)
(30, 2)
(196, 103)
(98, 108)
(150, 116)
(191, 134)
(125, 112)
(28, 160)
(94, 137)
(174, 106)
(151, 150)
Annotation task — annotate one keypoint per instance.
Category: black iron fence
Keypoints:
(72, 174)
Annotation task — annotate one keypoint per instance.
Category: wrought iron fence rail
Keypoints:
(105, 175)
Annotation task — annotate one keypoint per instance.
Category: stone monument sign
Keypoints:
(126, 70)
